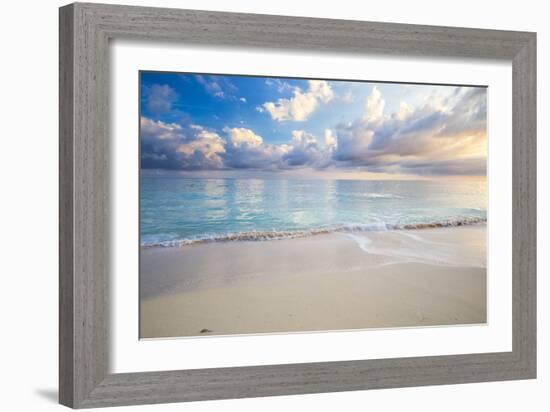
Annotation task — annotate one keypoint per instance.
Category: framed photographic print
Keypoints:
(257, 205)
(249, 223)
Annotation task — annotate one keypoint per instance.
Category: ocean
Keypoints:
(176, 211)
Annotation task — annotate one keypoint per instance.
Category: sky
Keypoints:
(248, 126)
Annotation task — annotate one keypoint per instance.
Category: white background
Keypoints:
(28, 307)
(132, 355)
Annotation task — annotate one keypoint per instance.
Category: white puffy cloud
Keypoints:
(241, 136)
(302, 138)
(375, 106)
(244, 149)
(321, 90)
(330, 138)
(404, 112)
(303, 150)
(173, 146)
(159, 130)
(206, 146)
(302, 104)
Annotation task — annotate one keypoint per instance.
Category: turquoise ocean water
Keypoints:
(176, 210)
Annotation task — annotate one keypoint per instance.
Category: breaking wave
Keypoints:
(254, 236)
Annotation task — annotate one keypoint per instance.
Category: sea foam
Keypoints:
(265, 235)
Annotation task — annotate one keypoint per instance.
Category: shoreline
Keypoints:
(335, 281)
(266, 235)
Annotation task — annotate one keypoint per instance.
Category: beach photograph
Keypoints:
(283, 205)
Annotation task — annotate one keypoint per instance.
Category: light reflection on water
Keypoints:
(182, 208)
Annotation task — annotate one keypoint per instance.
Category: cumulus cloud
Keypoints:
(403, 113)
(353, 141)
(159, 98)
(375, 106)
(203, 149)
(330, 138)
(247, 150)
(438, 137)
(447, 138)
(173, 146)
(151, 129)
(240, 136)
(302, 104)
(193, 147)
(303, 150)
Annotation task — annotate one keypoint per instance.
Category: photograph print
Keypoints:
(280, 205)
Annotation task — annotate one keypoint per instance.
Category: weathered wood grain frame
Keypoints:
(85, 31)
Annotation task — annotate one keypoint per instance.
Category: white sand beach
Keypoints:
(333, 281)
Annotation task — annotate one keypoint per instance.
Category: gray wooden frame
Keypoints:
(85, 31)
